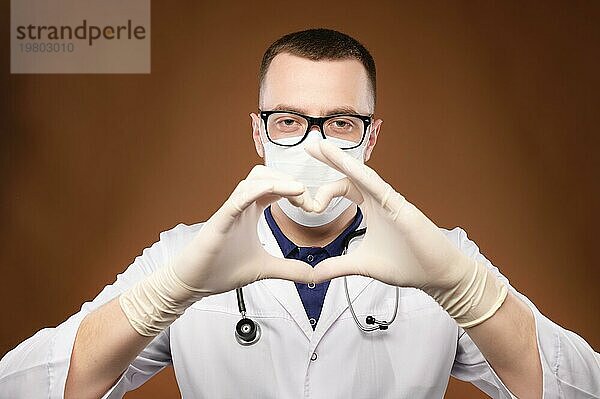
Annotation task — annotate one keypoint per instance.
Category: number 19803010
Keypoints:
(36, 47)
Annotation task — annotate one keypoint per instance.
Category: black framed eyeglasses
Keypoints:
(288, 128)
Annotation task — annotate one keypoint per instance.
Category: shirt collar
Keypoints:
(334, 248)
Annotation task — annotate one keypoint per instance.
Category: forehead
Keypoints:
(315, 87)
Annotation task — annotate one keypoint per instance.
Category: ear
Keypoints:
(256, 121)
(375, 126)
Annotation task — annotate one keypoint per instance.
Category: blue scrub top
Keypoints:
(312, 298)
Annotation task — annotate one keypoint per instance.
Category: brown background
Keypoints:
(490, 123)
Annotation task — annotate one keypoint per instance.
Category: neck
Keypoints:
(319, 236)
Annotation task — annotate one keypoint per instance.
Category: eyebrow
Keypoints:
(345, 109)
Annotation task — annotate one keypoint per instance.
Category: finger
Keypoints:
(253, 190)
(246, 193)
(287, 269)
(339, 188)
(360, 174)
(337, 266)
(262, 172)
(304, 201)
(336, 158)
(314, 149)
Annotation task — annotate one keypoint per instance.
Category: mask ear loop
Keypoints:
(365, 142)
(262, 132)
(266, 143)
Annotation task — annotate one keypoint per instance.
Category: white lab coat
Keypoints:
(413, 359)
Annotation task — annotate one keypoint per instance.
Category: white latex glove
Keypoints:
(225, 254)
(402, 247)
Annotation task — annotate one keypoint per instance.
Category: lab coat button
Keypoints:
(314, 356)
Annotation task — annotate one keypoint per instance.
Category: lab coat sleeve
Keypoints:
(571, 368)
(37, 368)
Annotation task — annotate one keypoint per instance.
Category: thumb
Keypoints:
(338, 266)
(287, 269)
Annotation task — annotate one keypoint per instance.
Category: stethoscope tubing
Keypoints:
(248, 331)
(375, 324)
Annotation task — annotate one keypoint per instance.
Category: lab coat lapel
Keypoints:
(284, 291)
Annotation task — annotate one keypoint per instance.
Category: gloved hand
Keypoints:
(402, 247)
(225, 254)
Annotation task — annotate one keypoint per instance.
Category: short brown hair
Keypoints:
(320, 44)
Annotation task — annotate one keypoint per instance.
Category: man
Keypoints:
(290, 221)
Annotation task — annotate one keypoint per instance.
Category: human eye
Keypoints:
(342, 124)
(288, 123)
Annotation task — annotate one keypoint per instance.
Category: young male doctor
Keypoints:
(280, 235)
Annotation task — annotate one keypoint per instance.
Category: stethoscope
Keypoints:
(247, 331)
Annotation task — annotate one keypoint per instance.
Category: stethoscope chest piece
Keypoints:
(247, 332)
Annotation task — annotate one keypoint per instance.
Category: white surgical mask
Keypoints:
(296, 162)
